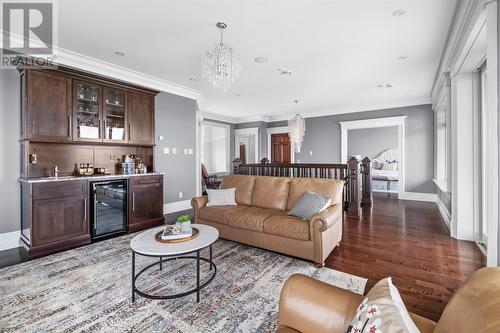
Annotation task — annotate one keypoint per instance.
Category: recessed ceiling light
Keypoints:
(398, 13)
(237, 95)
(119, 53)
(193, 79)
(261, 60)
(284, 71)
(402, 57)
(389, 85)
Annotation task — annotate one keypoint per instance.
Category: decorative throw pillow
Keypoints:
(390, 165)
(310, 203)
(224, 197)
(382, 311)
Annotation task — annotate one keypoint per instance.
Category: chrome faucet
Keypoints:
(56, 171)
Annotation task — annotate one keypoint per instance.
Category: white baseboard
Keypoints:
(416, 196)
(177, 206)
(9, 240)
(445, 214)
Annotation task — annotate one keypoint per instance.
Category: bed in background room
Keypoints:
(385, 171)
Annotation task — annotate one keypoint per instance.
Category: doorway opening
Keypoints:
(382, 141)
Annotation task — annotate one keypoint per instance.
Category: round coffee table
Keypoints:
(145, 244)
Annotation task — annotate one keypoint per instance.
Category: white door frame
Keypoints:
(345, 126)
(246, 131)
(279, 130)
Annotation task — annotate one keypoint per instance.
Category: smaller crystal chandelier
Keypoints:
(220, 65)
(296, 130)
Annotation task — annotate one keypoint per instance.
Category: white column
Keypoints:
(491, 135)
(462, 152)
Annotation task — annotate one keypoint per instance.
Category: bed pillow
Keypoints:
(390, 165)
(309, 204)
(377, 165)
(223, 197)
(382, 310)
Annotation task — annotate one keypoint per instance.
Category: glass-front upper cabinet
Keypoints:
(114, 115)
(87, 112)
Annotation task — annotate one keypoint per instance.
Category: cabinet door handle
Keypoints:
(85, 209)
(129, 131)
(133, 202)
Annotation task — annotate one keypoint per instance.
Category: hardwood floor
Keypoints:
(409, 241)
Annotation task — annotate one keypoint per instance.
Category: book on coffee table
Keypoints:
(173, 232)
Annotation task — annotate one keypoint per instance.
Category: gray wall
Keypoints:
(370, 142)
(322, 137)
(10, 127)
(175, 120)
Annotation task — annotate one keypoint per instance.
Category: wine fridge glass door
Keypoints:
(110, 208)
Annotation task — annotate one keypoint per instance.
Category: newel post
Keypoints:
(367, 182)
(353, 188)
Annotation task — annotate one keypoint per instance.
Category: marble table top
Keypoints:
(146, 244)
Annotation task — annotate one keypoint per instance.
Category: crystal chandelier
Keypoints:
(296, 130)
(220, 65)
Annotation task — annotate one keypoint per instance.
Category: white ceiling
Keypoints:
(339, 50)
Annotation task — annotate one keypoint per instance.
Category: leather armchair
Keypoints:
(310, 306)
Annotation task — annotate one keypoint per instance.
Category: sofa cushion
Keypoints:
(329, 187)
(244, 187)
(287, 226)
(250, 218)
(271, 192)
(218, 214)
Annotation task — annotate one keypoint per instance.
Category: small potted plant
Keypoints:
(184, 222)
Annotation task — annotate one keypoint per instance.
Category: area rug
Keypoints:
(89, 289)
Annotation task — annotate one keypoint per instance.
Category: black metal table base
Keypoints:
(196, 290)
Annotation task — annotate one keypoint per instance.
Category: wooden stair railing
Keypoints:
(353, 174)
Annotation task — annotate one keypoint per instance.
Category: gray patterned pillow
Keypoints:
(309, 204)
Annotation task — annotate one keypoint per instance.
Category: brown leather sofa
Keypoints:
(260, 219)
(308, 305)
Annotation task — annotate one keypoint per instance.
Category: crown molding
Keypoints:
(356, 109)
(86, 63)
(250, 119)
(463, 21)
(320, 113)
(217, 117)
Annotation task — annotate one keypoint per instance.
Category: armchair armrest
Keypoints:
(327, 218)
(197, 203)
(309, 305)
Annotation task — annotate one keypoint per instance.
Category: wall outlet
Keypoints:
(310, 152)
(160, 137)
(166, 150)
(174, 151)
(190, 151)
(185, 151)
(180, 195)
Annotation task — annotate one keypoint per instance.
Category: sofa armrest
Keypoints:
(327, 218)
(309, 305)
(197, 203)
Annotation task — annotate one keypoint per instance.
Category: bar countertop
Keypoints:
(96, 177)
